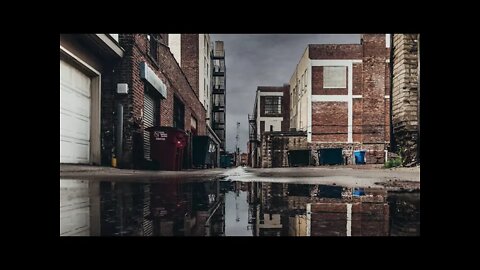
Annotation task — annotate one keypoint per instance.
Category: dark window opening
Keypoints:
(273, 105)
(178, 114)
(153, 46)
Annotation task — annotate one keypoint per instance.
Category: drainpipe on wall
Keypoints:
(393, 144)
(418, 99)
(119, 134)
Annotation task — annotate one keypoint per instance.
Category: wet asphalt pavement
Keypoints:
(245, 202)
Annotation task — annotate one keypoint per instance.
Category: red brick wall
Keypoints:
(375, 106)
(335, 51)
(357, 120)
(371, 112)
(329, 121)
(374, 83)
(357, 86)
(128, 71)
(317, 83)
(189, 51)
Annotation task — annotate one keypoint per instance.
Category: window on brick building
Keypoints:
(273, 105)
(335, 77)
(153, 46)
(178, 113)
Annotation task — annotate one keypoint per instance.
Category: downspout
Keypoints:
(418, 99)
(393, 144)
(119, 134)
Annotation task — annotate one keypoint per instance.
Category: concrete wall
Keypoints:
(405, 95)
(300, 93)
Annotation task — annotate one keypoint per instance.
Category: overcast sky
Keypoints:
(262, 60)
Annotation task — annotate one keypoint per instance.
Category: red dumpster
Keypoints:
(166, 147)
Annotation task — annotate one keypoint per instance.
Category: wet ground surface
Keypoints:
(224, 206)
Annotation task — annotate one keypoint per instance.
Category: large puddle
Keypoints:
(228, 208)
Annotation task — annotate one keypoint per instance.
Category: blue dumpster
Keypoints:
(359, 156)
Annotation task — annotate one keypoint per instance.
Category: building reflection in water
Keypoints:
(226, 208)
(168, 208)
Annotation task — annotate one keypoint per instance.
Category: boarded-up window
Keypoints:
(335, 77)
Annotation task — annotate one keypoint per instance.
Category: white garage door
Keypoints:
(75, 102)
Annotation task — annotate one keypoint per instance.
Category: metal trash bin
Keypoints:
(166, 147)
(330, 156)
(297, 158)
(201, 155)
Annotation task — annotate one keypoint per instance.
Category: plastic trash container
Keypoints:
(166, 147)
(359, 156)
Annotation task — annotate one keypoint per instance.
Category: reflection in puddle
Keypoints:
(226, 208)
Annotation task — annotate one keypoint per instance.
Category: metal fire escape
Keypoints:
(252, 139)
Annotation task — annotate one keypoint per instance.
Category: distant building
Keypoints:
(219, 93)
(406, 96)
(271, 113)
(340, 95)
(194, 53)
(243, 159)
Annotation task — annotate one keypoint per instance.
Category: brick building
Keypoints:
(157, 93)
(271, 113)
(406, 96)
(195, 55)
(340, 95)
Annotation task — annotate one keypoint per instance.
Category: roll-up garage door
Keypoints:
(149, 120)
